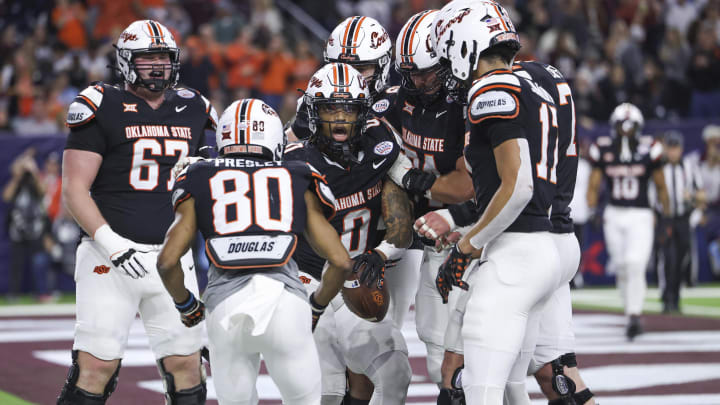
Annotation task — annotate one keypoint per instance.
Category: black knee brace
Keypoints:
(579, 398)
(454, 395)
(72, 395)
(189, 396)
(563, 385)
(451, 396)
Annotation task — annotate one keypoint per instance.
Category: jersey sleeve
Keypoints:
(656, 154)
(595, 151)
(386, 107)
(494, 96)
(321, 188)
(212, 116)
(181, 188)
(85, 132)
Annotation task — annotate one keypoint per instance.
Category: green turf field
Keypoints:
(9, 399)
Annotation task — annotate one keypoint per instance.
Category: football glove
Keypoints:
(317, 311)
(371, 267)
(181, 164)
(123, 253)
(417, 181)
(451, 272)
(192, 311)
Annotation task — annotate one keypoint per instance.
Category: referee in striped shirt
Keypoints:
(684, 186)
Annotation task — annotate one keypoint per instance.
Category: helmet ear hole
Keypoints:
(464, 49)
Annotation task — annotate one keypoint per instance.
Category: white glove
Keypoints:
(183, 163)
(123, 253)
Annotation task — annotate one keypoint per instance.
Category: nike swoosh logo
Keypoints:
(178, 109)
(378, 164)
(440, 113)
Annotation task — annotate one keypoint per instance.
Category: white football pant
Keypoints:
(401, 281)
(263, 318)
(107, 301)
(629, 235)
(506, 297)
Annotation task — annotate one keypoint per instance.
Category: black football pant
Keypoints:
(676, 254)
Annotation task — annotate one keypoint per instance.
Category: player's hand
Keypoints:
(192, 311)
(417, 181)
(317, 311)
(130, 261)
(371, 266)
(434, 225)
(183, 163)
(446, 242)
(451, 272)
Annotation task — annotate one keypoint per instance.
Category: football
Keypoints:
(369, 303)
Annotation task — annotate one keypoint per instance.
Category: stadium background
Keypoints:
(662, 55)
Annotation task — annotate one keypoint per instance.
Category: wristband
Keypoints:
(187, 304)
(315, 306)
(109, 240)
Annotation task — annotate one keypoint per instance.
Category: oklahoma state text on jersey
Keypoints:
(139, 147)
(357, 191)
(503, 106)
(433, 136)
(627, 180)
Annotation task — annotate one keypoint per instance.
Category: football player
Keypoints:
(433, 135)
(511, 155)
(355, 154)
(554, 351)
(626, 161)
(122, 145)
(250, 207)
(364, 44)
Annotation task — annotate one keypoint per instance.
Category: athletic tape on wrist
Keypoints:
(390, 251)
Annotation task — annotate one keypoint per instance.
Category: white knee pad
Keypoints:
(391, 375)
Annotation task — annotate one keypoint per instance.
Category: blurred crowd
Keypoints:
(662, 55)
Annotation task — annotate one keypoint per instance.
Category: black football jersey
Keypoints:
(503, 106)
(549, 78)
(139, 147)
(236, 194)
(433, 136)
(626, 178)
(357, 190)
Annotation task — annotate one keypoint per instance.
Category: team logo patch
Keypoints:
(493, 102)
(184, 93)
(381, 106)
(102, 269)
(383, 148)
(130, 107)
(305, 280)
(409, 108)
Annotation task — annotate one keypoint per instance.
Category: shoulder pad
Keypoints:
(293, 150)
(594, 153)
(210, 110)
(323, 191)
(496, 103)
(603, 141)
(82, 109)
(93, 95)
(656, 150)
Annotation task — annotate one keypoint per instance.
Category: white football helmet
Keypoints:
(415, 51)
(142, 37)
(629, 117)
(341, 85)
(362, 40)
(249, 126)
(467, 29)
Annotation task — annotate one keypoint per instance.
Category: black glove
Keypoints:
(417, 181)
(127, 260)
(371, 267)
(450, 273)
(317, 311)
(192, 311)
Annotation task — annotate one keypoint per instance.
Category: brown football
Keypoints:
(369, 303)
